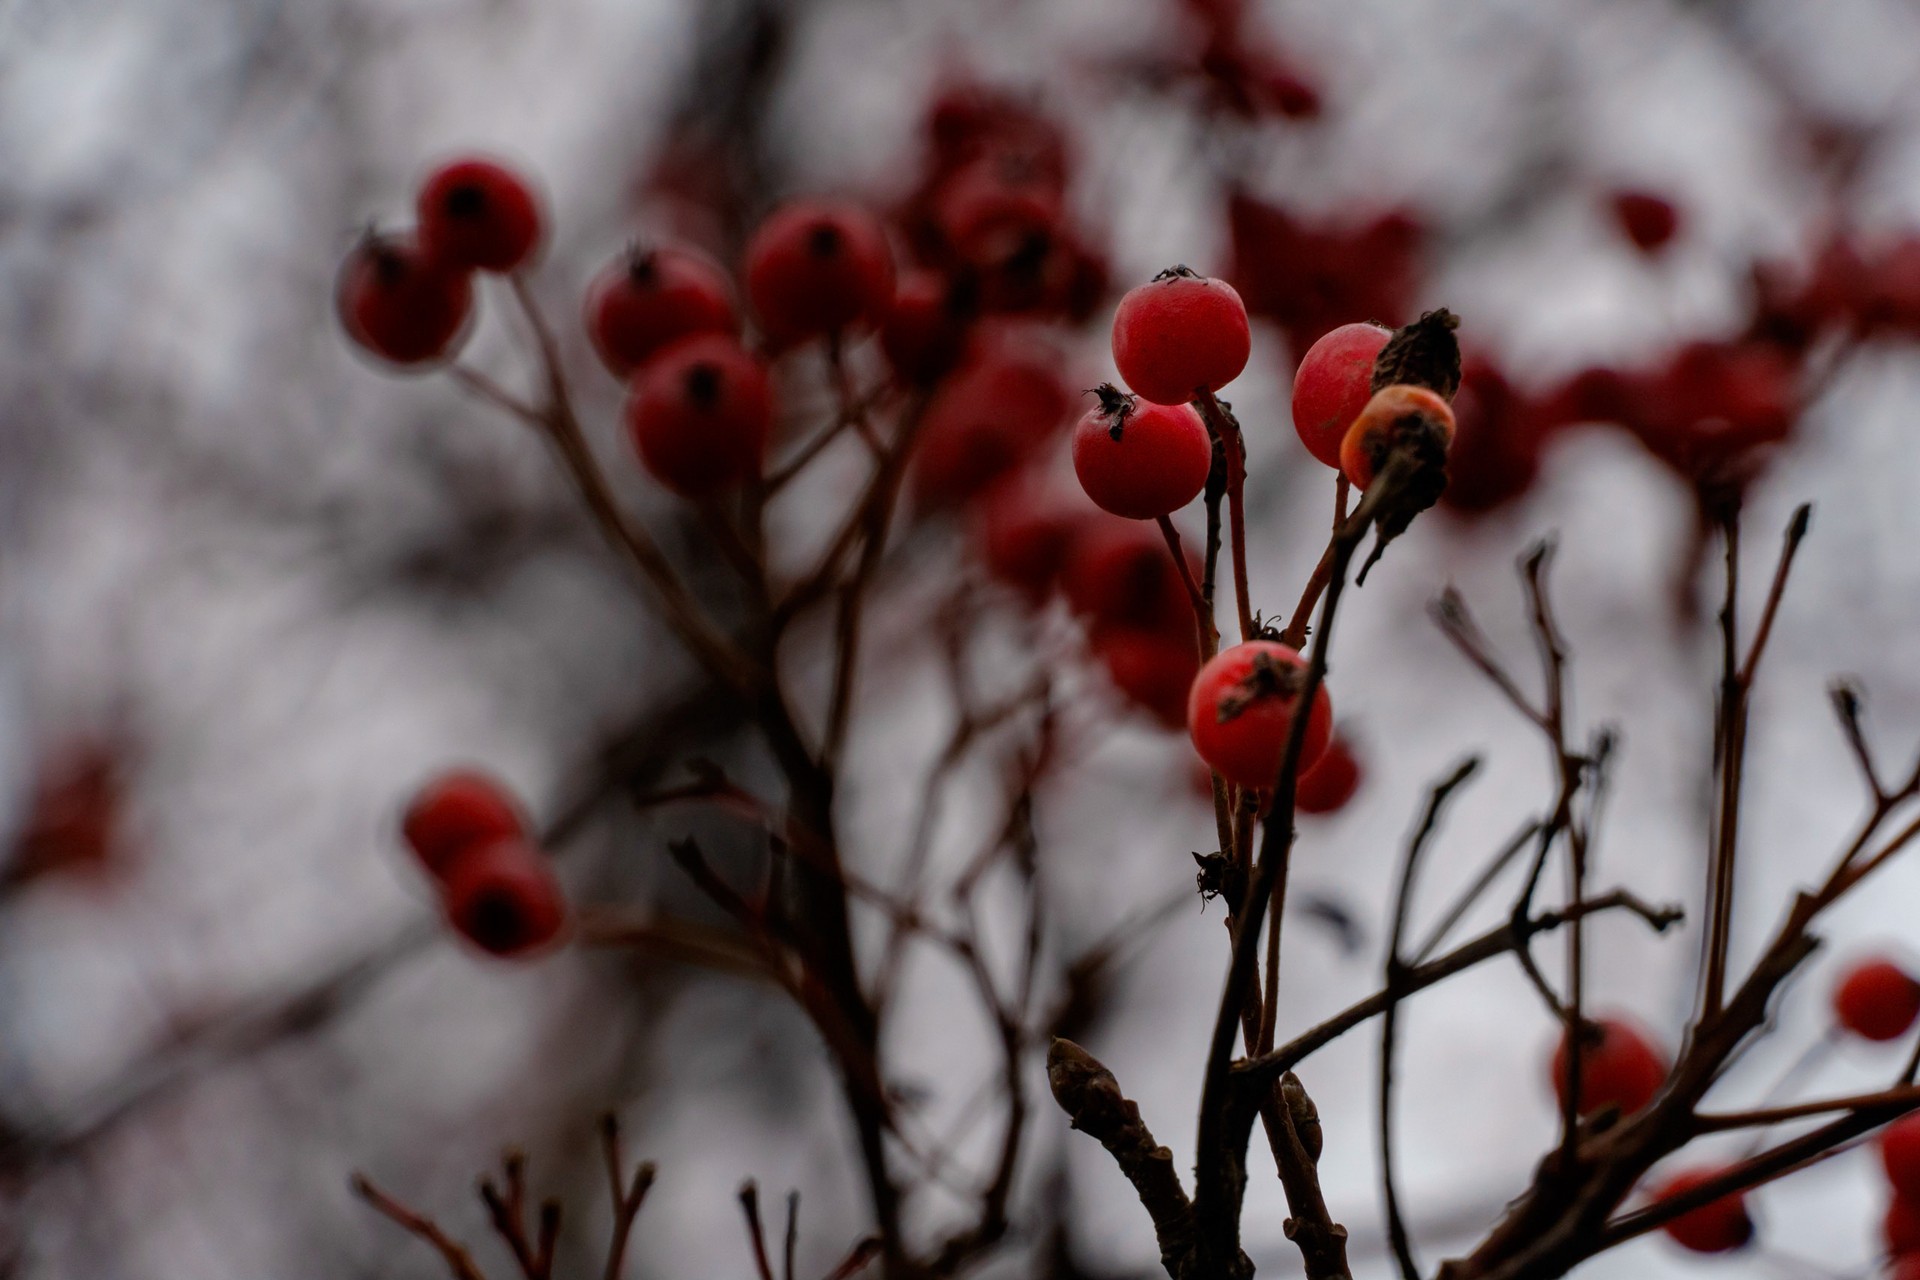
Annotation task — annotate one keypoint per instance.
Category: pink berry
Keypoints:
(699, 415)
(818, 267)
(1240, 712)
(400, 304)
(1180, 334)
(1332, 386)
(1140, 460)
(479, 215)
(647, 299)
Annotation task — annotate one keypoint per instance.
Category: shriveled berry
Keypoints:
(400, 304)
(1876, 999)
(1718, 1226)
(816, 267)
(476, 214)
(1900, 1155)
(1153, 669)
(986, 419)
(456, 813)
(1397, 417)
(699, 414)
(1241, 708)
(504, 898)
(1180, 334)
(648, 299)
(1647, 219)
(1900, 1229)
(1331, 782)
(1140, 460)
(1120, 573)
(1332, 386)
(1619, 1067)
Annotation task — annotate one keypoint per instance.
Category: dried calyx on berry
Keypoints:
(1219, 876)
(1422, 354)
(1408, 425)
(1115, 406)
(1268, 678)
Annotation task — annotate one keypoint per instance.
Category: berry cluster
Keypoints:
(495, 885)
(408, 297)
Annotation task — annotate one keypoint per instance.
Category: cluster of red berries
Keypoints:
(408, 297)
(495, 884)
(1309, 277)
(1240, 71)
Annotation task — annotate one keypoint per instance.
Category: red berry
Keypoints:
(925, 330)
(996, 207)
(1120, 573)
(1180, 334)
(397, 303)
(986, 419)
(1139, 460)
(476, 214)
(503, 897)
(1023, 534)
(1240, 711)
(1331, 782)
(1901, 1227)
(1332, 386)
(699, 415)
(648, 299)
(1395, 415)
(1715, 1227)
(816, 267)
(1900, 1156)
(1876, 999)
(1905, 1268)
(1154, 669)
(1619, 1067)
(456, 813)
(1649, 221)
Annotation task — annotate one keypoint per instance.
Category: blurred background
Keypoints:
(253, 591)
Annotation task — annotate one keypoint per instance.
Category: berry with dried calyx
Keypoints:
(1719, 1226)
(1876, 999)
(1179, 335)
(1333, 384)
(1619, 1067)
(699, 415)
(1406, 418)
(504, 898)
(477, 214)
(456, 813)
(648, 299)
(1139, 460)
(1241, 708)
(817, 267)
(400, 304)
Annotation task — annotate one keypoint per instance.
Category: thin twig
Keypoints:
(459, 1262)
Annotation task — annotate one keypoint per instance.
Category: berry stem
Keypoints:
(1202, 612)
(1295, 635)
(1227, 429)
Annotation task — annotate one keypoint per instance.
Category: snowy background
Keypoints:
(297, 588)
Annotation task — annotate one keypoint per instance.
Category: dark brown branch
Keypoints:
(1091, 1097)
(756, 1235)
